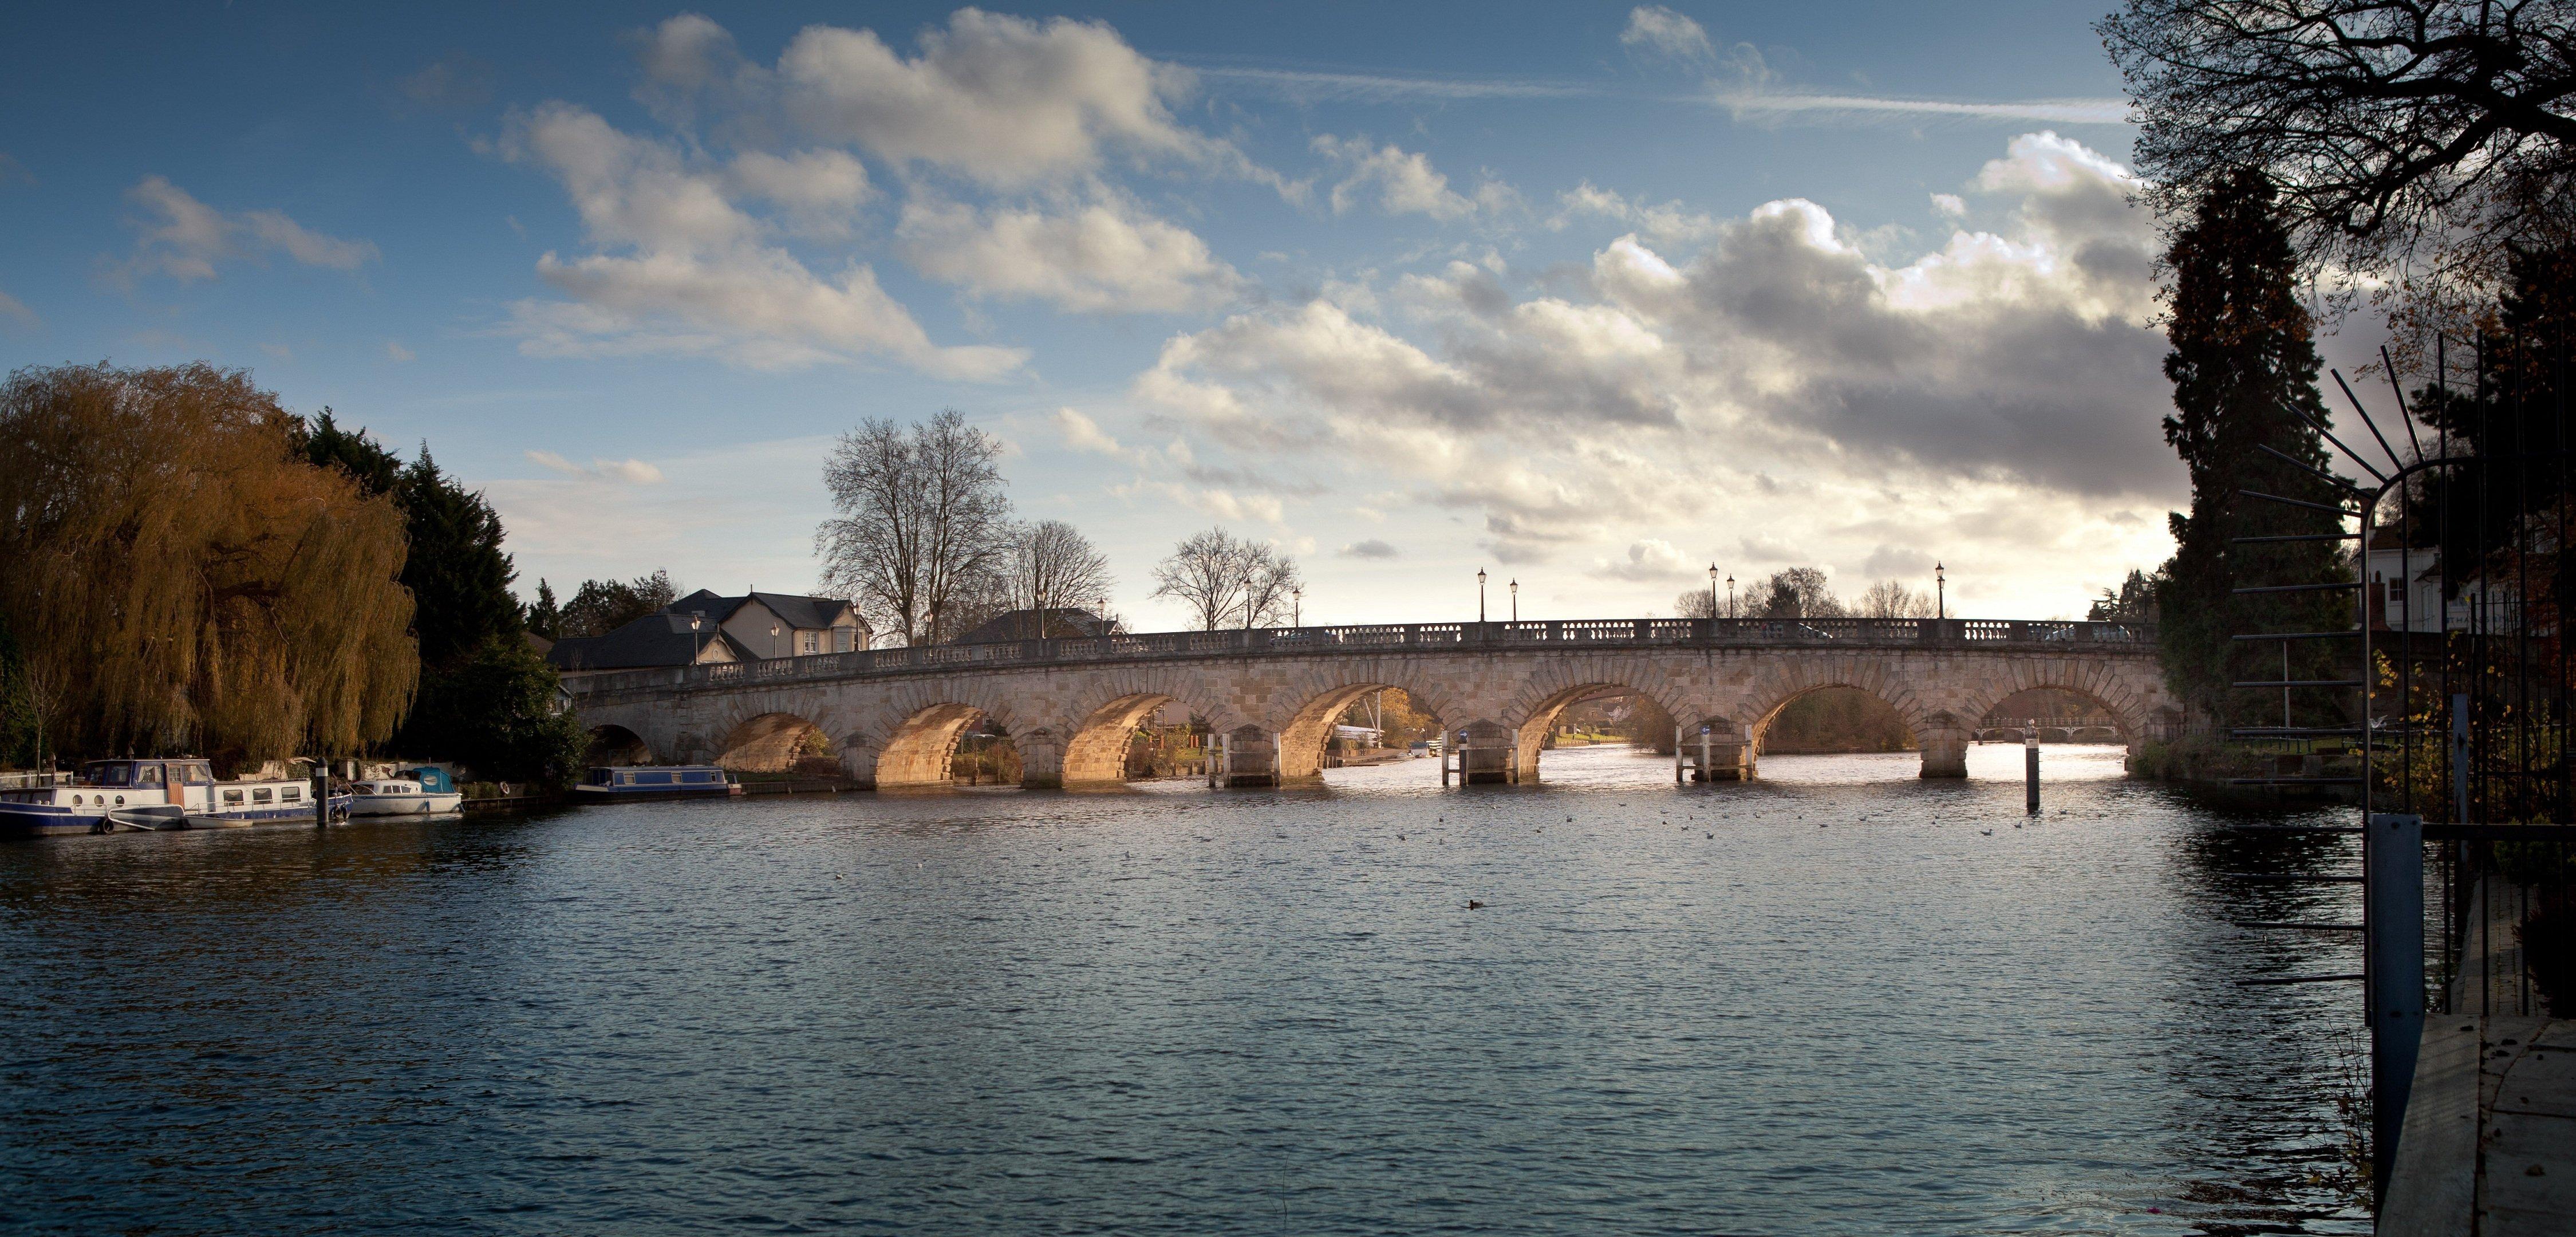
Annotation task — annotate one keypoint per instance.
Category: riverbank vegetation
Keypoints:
(187, 566)
(176, 577)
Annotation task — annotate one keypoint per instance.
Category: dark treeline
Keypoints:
(186, 566)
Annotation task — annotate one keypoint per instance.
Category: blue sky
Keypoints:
(1589, 296)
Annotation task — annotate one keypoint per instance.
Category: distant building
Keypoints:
(656, 640)
(705, 629)
(781, 624)
(1056, 623)
(2404, 593)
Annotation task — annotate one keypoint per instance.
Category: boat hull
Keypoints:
(606, 794)
(422, 804)
(27, 820)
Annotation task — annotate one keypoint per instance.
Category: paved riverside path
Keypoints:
(2489, 1145)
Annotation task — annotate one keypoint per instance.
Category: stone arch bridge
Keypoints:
(894, 716)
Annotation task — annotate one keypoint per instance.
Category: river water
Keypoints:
(1837, 1000)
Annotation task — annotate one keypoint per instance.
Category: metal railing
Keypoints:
(1980, 634)
(1999, 722)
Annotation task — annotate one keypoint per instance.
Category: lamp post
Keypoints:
(1940, 591)
(1480, 594)
(1516, 599)
(1730, 594)
(1712, 590)
(1297, 606)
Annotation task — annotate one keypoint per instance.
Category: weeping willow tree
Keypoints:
(177, 579)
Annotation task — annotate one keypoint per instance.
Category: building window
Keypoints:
(805, 644)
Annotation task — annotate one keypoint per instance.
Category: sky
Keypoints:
(1590, 297)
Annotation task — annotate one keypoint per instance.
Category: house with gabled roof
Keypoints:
(781, 624)
(704, 629)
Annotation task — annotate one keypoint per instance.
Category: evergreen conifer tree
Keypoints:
(458, 575)
(545, 618)
(2243, 365)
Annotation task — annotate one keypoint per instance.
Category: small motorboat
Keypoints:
(426, 791)
(657, 782)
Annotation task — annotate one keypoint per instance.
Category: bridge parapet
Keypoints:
(1377, 639)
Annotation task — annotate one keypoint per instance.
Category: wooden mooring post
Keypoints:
(2030, 769)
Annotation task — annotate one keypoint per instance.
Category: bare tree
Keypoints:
(1270, 582)
(1051, 568)
(2395, 130)
(1224, 580)
(1891, 599)
(921, 522)
(1205, 571)
(1698, 603)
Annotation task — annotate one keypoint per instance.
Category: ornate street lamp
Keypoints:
(1516, 599)
(1297, 606)
(1730, 594)
(1712, 590)
(1480, 594)
(1940, 591)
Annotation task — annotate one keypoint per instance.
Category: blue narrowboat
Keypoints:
(657, 782)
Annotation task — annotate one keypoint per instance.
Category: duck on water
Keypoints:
(153, 794)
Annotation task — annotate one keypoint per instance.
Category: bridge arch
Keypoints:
(1545, 696)
(917, 742)
(771, 742)
(612, 744)
(1097, 733)
(1322, 692)
(2113, 689)
(1942, 734)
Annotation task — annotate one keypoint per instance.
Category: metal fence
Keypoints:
(2463, 726)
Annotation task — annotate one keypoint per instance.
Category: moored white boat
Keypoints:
(398, 796)
(90, 801)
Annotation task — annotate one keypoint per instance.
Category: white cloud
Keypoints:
(1081, 433)
(2105, 111)
(1404, 183)
(184, 238)
(1002, 100)
(16, 310)
(1659, 30)
(686, 270)
(1950, 204)
(1668, 223)
(1371, 548)
(1102, 255)
(633, 471)
(2009, 367)
(394, 351)
(820, 190)
(1649, 561)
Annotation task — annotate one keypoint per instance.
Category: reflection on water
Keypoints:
(1837, 1000)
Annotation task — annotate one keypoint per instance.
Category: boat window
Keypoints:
(291, 794)
(693, 776)
(120, 801)
(232, 796)
(259, 794)
(199, 774)
(653, 779)
(149, 774)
